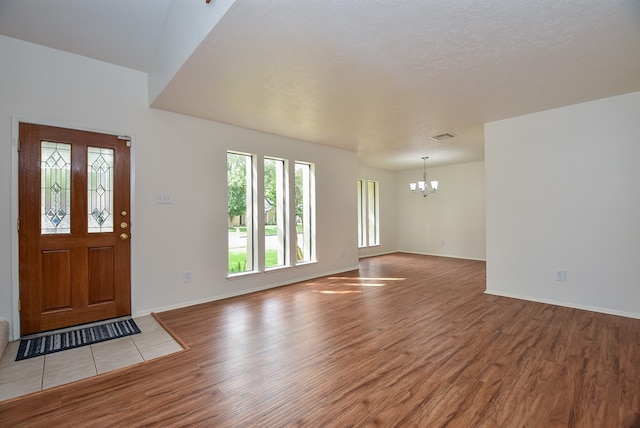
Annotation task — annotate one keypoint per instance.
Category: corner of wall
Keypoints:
(4, 335)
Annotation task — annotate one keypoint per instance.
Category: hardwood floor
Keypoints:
(408, 341)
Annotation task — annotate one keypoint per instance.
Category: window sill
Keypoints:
(238, 275)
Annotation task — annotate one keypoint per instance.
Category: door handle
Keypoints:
(124, 236)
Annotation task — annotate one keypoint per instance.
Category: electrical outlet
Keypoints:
(561, 275)
(186, 276)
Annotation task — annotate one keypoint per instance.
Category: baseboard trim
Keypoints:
(144, 312)
(384, 253)
(572, 305)
(442, 255)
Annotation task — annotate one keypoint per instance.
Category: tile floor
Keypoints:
(35, 374)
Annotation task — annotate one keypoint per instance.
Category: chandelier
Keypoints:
(426, 188)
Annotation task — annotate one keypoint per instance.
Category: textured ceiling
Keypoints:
(381, 77)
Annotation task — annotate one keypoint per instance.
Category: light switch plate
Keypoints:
(164, 198)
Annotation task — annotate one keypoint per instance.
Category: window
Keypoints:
(368, 193)
(240, 202)
(362, 214)
(305, 212)
(373, 212)
(274, 213)
(289, 211)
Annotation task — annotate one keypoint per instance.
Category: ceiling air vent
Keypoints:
(444, 136)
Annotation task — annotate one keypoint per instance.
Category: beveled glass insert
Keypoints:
(100, 163)
(55, 192)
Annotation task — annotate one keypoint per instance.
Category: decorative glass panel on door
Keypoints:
(100, 186)
(55, 192)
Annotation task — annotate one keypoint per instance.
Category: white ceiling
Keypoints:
(376, 77)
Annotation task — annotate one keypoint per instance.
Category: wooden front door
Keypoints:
(74, 229)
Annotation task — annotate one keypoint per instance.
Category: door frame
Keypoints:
(14, 333)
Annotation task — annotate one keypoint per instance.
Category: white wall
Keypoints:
(450, 222)
(388, 209)
(562, 194)
(172, 153)
(187, 23)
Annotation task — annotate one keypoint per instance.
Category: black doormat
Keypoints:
(82, 336)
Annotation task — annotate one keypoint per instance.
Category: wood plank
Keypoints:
(406, 340)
